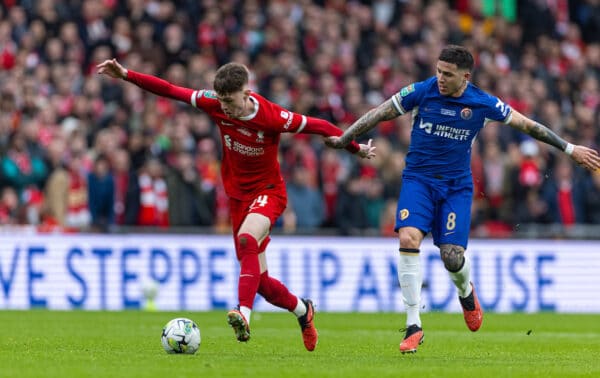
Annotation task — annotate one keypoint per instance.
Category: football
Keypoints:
(181, 335)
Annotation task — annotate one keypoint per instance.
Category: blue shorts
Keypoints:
(440, 206)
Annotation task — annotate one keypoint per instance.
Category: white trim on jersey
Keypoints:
(193, 99)
(508, 117)
(302, 124)
(253, 114)
(506, 120)
(398, 104)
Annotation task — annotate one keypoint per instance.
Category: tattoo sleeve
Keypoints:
(370, 119)
(539, 132)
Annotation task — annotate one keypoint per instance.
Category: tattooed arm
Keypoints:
(536, 130)
(581, 154)
(369, 120)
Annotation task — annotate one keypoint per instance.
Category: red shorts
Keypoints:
(270, 203)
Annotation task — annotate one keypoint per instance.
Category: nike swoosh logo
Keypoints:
(226, 123)
(448, 233)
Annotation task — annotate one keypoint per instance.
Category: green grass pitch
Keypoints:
(127, 344)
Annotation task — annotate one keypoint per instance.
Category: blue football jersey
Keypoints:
(444, 127)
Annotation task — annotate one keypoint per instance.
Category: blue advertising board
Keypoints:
(196, 273)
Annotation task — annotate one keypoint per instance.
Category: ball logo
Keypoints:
(209, 94)
(404, 214)
(466, 113)
(407, 90)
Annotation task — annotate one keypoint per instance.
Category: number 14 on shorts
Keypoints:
(260, 201)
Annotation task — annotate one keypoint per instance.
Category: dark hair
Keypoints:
(457, 55)
(230, 78)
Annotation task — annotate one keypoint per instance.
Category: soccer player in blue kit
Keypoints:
(437, 187)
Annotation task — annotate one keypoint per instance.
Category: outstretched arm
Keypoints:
(112, 68)
(582, 155)
(322, 127)
(369, 120)
(150, 83)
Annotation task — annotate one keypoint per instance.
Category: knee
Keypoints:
(246, 240)
(246, 244)
(452, 256)
(408, 239)
(242, 240)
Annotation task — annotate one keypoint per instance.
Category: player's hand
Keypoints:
(586, 157)
(366, 150)
(334, 142)
(112, 68)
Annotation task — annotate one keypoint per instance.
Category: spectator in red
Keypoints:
(332, 173)
(9, 206)
(154, 202)
(77, 212)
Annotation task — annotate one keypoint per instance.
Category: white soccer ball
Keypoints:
(181, 335)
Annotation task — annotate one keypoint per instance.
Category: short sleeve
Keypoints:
(203, 99)
(409, 97)
(497, 110)
(291, 122)
(279, 119)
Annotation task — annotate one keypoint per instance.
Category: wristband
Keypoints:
(569, 149)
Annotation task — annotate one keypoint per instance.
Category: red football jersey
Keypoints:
(250, 144)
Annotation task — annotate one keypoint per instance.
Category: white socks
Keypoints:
(409, 276)
(461, 279)
(246, 312)
(300, 308)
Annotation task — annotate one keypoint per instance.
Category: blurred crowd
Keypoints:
(83, 152)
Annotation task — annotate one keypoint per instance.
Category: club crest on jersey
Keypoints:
(404, 214)
(466, 113)
(260, 136)
(407, 90)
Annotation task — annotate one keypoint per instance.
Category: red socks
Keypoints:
(249, 270)
(276, 293)
(252, 281)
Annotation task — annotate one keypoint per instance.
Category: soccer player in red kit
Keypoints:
(250, 128)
